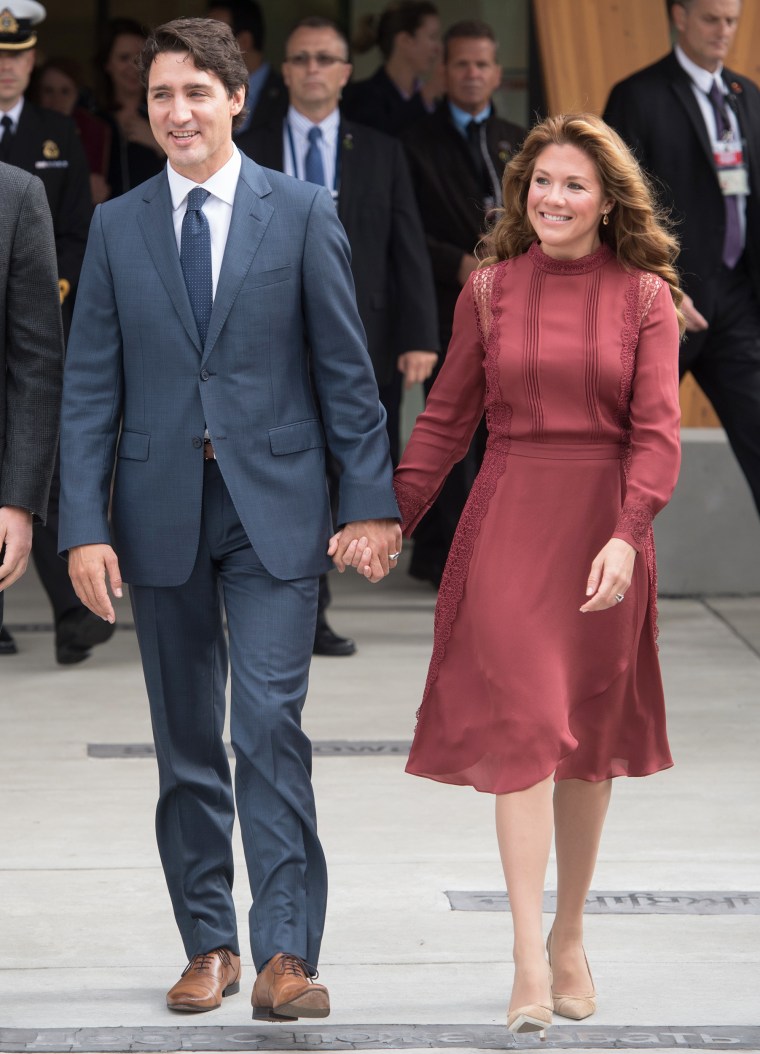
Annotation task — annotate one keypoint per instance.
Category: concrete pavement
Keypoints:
(88, 946)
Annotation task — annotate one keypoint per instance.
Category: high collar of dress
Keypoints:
(580, 266)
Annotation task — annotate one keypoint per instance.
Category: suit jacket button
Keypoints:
(197, 442)
(205, 375)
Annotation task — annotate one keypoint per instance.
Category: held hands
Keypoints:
(610, 577)
(16, 536)
(366, 545)
(416, 366)
(89, 567)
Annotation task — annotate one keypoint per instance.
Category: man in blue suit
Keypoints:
(215, 351)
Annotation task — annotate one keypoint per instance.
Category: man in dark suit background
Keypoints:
(457, 157)
(267, 98)
(31, 358)
(368, 175)
(215, 354)
(695, 126)
(47, 144)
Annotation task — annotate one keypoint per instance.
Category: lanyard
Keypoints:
(294, 160)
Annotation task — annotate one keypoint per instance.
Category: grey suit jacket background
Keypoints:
(31, 342)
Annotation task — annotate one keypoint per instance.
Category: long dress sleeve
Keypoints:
(454, 407)
(654, 417)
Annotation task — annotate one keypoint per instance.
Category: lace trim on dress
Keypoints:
(486, 290)
(482, 291)
(410, 504)
(635, 518)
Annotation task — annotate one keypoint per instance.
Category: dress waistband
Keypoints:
(566, 451)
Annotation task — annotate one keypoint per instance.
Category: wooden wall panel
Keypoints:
(696, 409)
(588, 45)
(745, 54)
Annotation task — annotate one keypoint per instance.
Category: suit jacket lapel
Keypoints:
(155, 220)
(250, 219)
(682, 86)
(348, 160)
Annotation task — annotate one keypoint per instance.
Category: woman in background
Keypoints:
(135, 155)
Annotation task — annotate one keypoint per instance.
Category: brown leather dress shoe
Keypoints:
(205, 981)
(285, 990)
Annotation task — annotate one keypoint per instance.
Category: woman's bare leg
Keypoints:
(524, 830)
(580, 808)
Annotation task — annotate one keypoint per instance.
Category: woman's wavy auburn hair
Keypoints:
(638, 232)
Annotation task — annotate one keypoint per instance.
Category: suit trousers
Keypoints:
(725, 361)
(184, 652)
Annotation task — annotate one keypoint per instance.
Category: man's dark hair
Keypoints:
(317, 22)
(400, 16)
(246, 16)
(211, 46)
(470, 29)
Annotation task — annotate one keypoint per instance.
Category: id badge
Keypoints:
(733, 177)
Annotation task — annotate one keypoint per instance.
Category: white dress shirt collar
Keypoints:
(701, 77)
(14, 113)
(301, 125)
(296, 144)
(221, 185)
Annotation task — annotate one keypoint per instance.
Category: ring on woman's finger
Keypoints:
(394, 556)
(620, 597)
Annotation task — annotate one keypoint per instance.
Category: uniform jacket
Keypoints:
(283, 372)
(31, 343)
(47, 144)
(389, 259)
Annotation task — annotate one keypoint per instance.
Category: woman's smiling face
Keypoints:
(566, 202)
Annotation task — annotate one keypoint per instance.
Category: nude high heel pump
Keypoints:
(531, 1018)
(535, 1017)
(576, 1007)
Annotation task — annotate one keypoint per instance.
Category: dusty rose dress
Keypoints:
(575, 363)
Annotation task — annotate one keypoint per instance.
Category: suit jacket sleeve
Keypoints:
(34, 358)
(454, 407)
(353, 418)
(417, 323)
(92, 397)
(654, 420)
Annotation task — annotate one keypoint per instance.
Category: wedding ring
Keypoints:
(620, 597)
(394, 556)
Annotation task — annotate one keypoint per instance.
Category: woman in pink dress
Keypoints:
(544, 681)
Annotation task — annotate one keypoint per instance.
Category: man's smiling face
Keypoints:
(191, 115)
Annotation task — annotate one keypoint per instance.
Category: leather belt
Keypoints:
(208, 451)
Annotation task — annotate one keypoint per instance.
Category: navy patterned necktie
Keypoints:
(195, 258)
(732, 241)
(314, 170)
(5, 143)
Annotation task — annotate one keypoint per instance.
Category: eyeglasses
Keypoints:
(323, 60)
